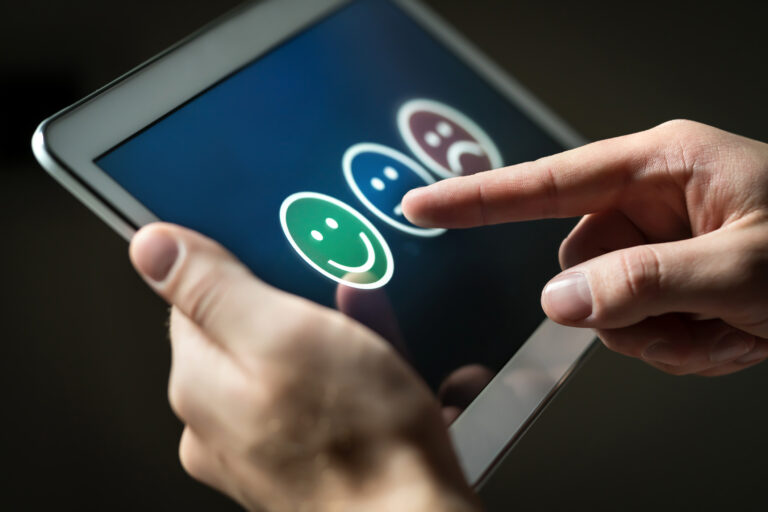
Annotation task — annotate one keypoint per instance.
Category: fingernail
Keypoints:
(757, 353)
(568, 296)
(412, 194)
(730, 347)
(405, 203)
(155, 254)
(662, 352)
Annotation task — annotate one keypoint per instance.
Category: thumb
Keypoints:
(204, 281)
(624, 287)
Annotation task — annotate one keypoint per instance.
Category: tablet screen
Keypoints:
(297, 163)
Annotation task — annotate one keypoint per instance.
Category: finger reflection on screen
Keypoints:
(461, 387)
(373, 309)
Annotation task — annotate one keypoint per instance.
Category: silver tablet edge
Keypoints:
(96, 205)
(485, 432)
(478, 448)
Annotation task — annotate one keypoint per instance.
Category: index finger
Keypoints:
(584, 180)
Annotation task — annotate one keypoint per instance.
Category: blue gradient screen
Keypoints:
(366, 85)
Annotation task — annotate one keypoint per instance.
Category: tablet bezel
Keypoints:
(68, 143)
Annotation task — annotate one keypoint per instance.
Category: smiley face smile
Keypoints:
(331, 237)
(365, 267)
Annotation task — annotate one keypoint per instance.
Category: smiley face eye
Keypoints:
(377, 184)
(391, 173)
(331, 223)
(317, 235)
(444, 129)
(432, 139)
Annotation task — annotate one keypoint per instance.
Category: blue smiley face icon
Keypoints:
(380, 176)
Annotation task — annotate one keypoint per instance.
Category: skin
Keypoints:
(673, 243)
(316, 413)
(321, 413)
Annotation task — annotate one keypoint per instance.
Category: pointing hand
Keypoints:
(670, 261)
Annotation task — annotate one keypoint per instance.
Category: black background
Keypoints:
(85, 422)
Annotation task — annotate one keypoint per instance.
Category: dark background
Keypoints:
(85, 423)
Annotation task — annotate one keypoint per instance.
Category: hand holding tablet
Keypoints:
(315, 410)
(289, 132)
(305, 406)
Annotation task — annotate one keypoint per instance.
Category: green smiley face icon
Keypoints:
(336, 240)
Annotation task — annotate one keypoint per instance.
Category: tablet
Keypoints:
(289, 131)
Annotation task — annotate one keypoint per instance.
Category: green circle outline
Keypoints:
(288, 201)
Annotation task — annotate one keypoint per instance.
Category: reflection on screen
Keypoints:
(298, 163)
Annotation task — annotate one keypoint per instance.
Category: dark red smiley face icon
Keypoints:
(445, 140)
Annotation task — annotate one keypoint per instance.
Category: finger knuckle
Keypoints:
(550, 186)
(192, 458)
(680, 127)
(679, 142)
(641, 270)
(689, 146)
(178, 398)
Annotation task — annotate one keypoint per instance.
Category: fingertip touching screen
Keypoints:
(297, 163)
